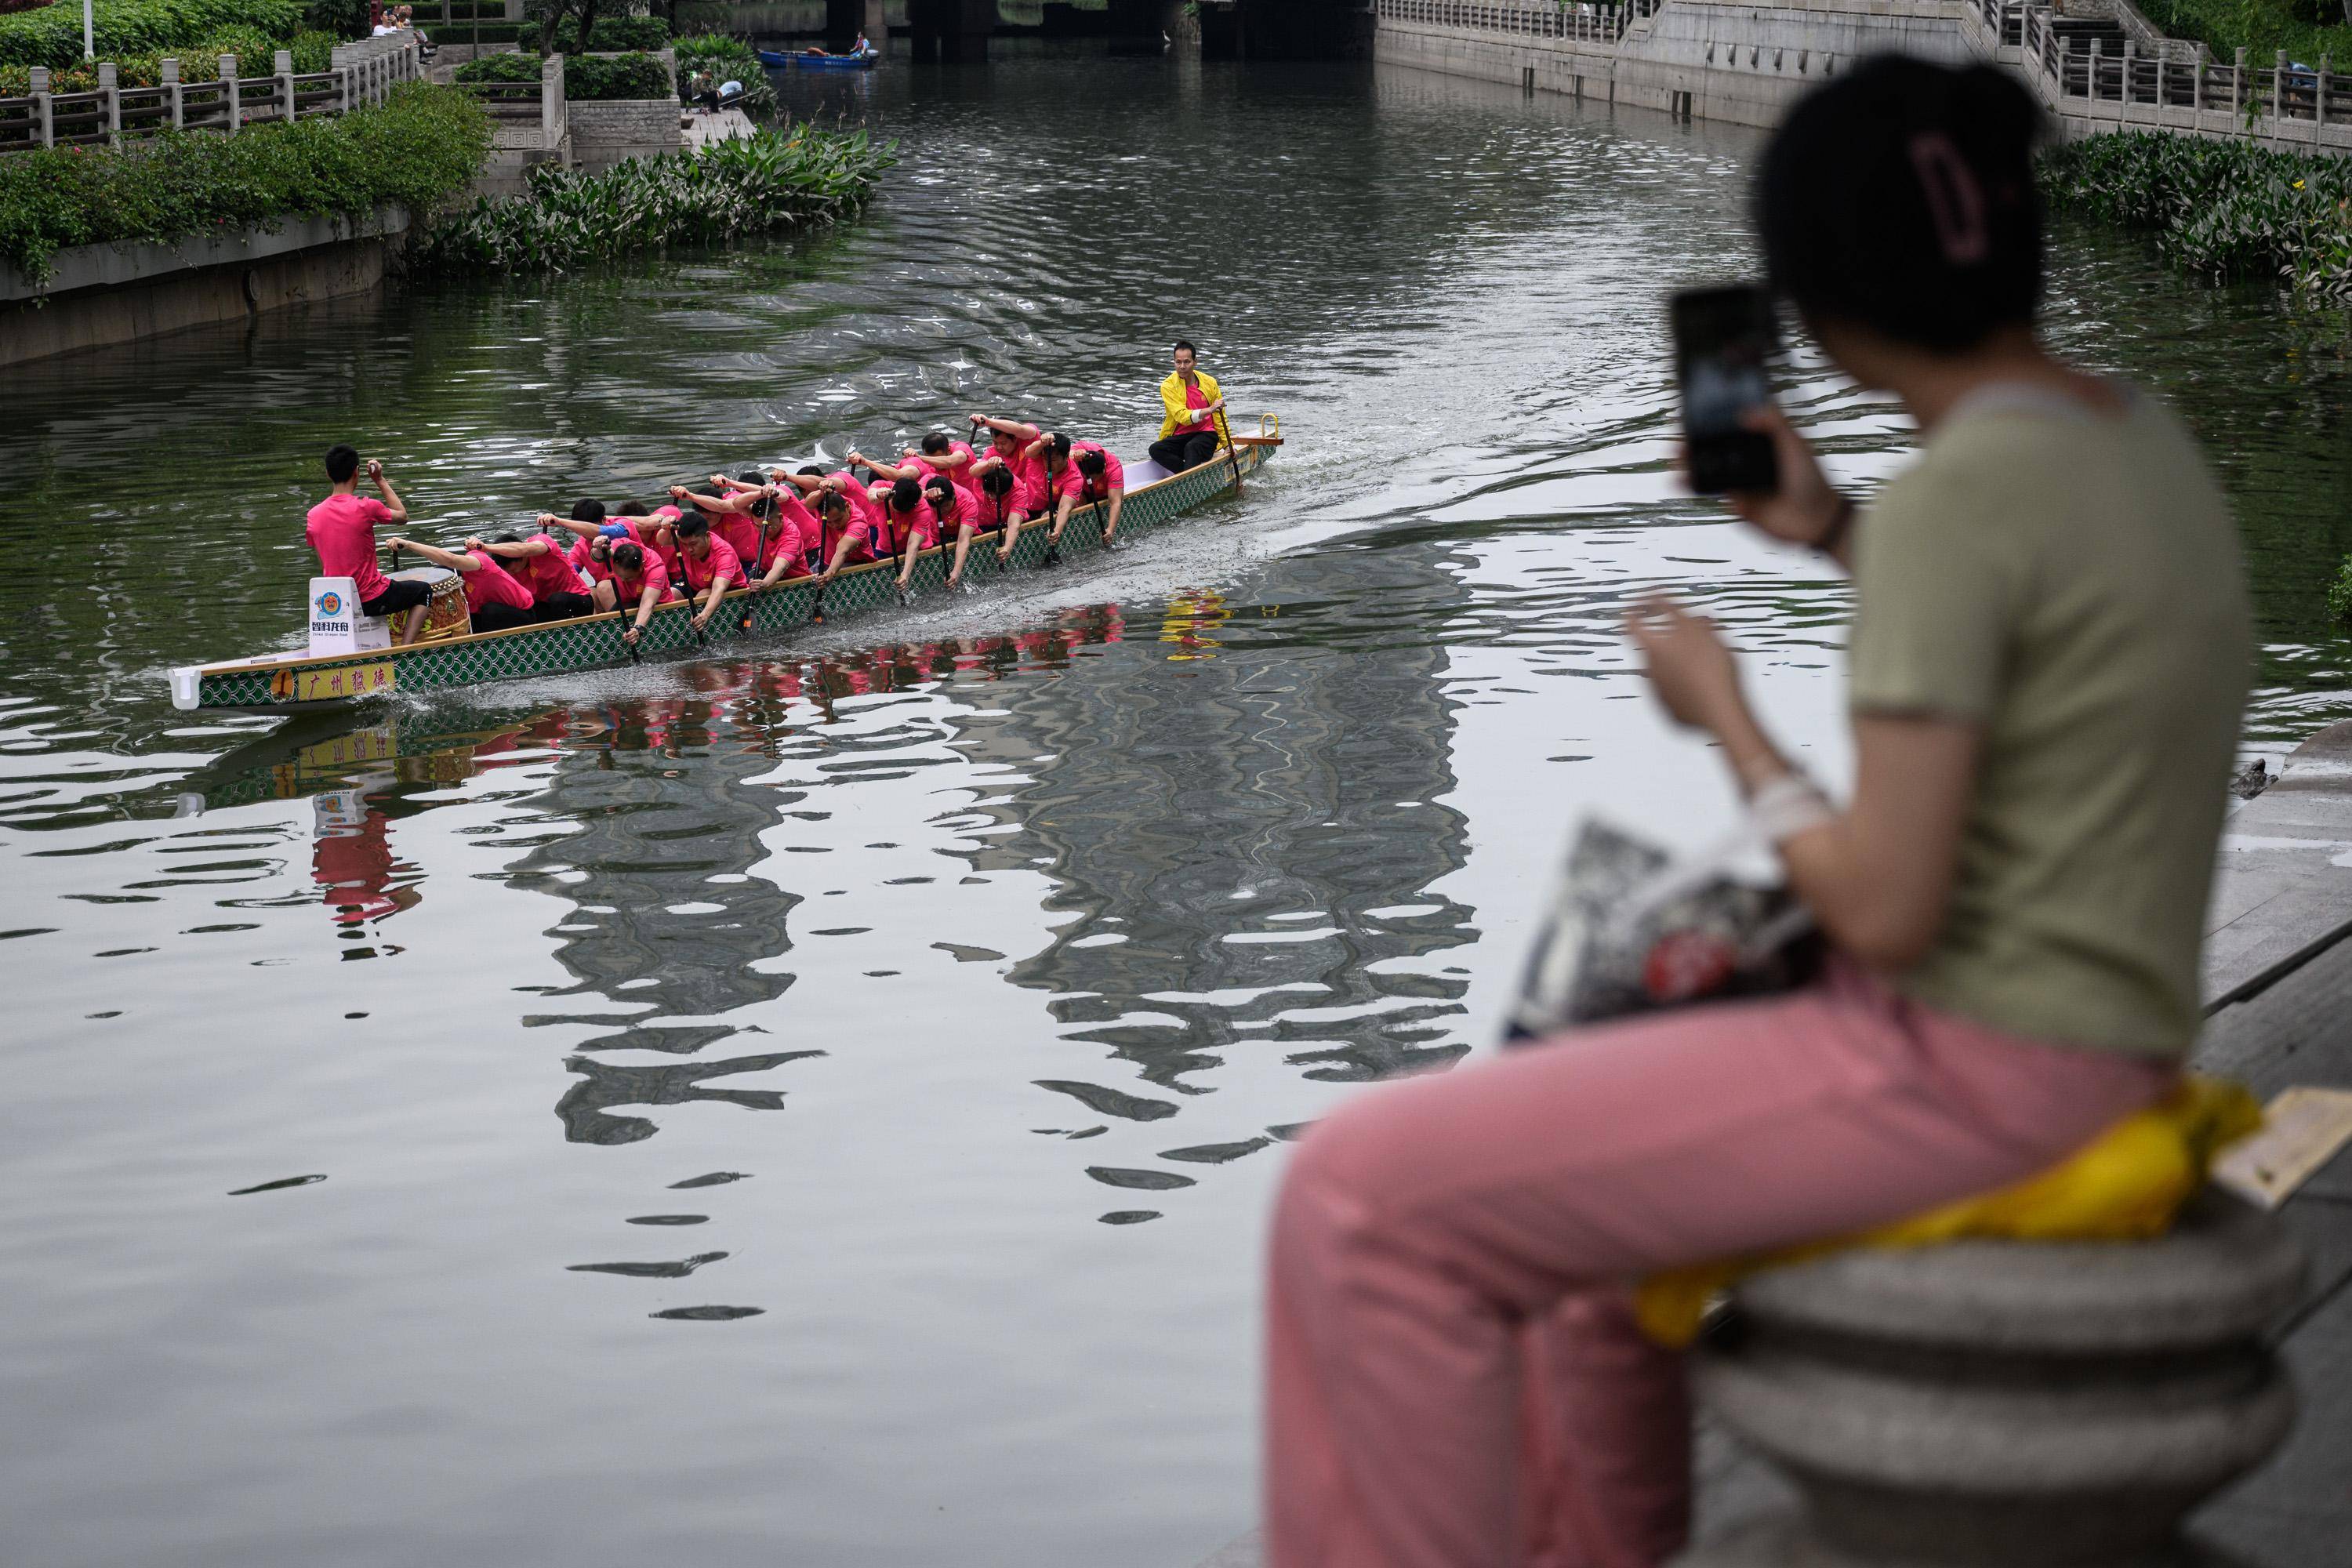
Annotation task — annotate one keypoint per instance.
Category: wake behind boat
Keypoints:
(301, 681)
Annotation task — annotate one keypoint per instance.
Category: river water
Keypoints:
(820, 1107)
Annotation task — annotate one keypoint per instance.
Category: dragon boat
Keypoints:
(299, 681)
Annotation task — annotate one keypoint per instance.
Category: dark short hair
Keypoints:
(1187, 347)
(691, 525)
(504, 538)
(751, 477)
(629, 557)
(587, 510)
(342, 462)
(1090, 462)
(939, 484)
(1900, 198)
(812, 469)
(829, 501)
(937, 443)
(906, 494)
(997, 481)
(1060, 443)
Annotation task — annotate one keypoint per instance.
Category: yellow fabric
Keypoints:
(2124, 1185)
(1174, 413)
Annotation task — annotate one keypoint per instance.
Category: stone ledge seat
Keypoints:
(2008, 1405)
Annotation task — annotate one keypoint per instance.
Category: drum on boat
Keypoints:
(447, 616)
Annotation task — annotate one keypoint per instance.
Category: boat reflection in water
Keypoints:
(1296, 923)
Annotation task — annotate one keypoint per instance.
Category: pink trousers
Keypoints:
(1453, 1376)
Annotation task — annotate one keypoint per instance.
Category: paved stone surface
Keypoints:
(702, 129)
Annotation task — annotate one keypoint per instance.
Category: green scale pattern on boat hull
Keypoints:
(595, 642)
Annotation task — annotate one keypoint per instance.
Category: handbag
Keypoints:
(1632, 930)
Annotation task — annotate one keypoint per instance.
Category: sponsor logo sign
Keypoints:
(337, 682)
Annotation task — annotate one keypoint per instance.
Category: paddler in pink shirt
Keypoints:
(709, 565)
(639, 578)
(913, 526)
(558, 592)
(1012, 448)
(960, 513)
(1085, 473)
(494, 600)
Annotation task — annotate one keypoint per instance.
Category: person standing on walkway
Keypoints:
(1193, 415)
(2049, 661)
(342, 529)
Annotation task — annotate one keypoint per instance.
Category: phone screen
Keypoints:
(1723, 338)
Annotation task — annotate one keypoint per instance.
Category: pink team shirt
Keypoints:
(968, 512)
(862, 504)
(959, 474)
(550, 571)
(1071, 482)
(489, 583)
(342, 529)
(631, 589)
(1029, 483)
(922, 522)
(802, 531)
(741, 531)
(719, 558)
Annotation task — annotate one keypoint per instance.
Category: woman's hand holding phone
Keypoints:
(1804, 507)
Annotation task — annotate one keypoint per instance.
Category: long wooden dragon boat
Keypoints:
(299, 681)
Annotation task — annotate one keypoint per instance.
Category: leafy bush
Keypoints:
(615, 35)
(52, 35)
(417, 149)
(592, 79)
(727, 59)
(255, 51)
(587, 79)
(501, 68)
(2339, 594)
(2223, 210)
(770, 181)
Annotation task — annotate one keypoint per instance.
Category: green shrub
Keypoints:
(501, 68)
(614, 35)
(2223, 210)
(592, 79)
(587, 79)
(417, 149)
(198, 62)
(768, 181)
(727, 59)
(52, 35)
(2339, 593)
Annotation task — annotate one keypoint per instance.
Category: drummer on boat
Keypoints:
(342, 529)
(1193, 415)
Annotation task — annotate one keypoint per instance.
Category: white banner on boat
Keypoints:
(337, 624)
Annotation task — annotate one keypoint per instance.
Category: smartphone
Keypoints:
(1723, 340)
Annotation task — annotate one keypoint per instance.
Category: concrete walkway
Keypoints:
(702, 129)
(2278, 983)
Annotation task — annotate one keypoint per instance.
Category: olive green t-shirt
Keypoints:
(2069, 580)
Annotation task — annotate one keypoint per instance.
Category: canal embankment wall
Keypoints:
(1747, 64)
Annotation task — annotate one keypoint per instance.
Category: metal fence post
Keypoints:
(44, 113)
(230, 93)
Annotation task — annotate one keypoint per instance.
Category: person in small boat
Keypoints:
(913, 525)
(709, 563)
(1085, 473)
(960, 513)
(1193, 415)
(558, 592)
(342, 529)
(494, 601)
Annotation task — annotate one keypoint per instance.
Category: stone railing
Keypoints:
(2183, 89)
(526, 116)
(110, 114)
(1579, 20)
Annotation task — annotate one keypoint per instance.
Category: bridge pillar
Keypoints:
(949, 29)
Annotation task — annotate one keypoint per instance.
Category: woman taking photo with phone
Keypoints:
(2048, 660)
